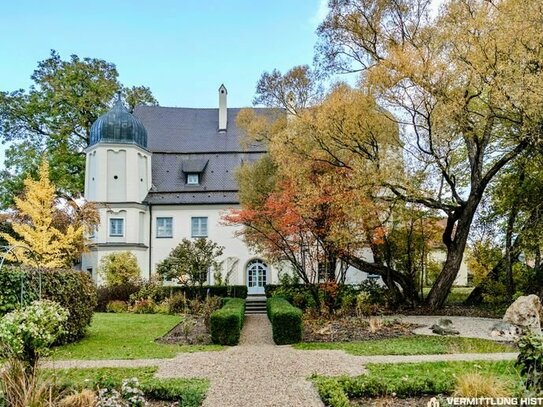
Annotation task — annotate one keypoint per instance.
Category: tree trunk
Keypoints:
(508, 252)
(391, 277)
(455, 239)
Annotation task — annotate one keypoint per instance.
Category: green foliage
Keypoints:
(26, 334)
(119, 268)
(406, 380)
(115, 293)
(73, 290)
(144, 306)
(411, 345)
(117, 306)
(55, 116)
(530, 361)
(190, 261)
(286, 321)
(226, 323)
(189, 392)
(107, 338)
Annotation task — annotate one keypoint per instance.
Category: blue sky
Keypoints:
(182, 49)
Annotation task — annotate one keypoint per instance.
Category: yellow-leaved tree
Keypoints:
(41, 239)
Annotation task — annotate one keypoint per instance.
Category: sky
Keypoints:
(182, 49)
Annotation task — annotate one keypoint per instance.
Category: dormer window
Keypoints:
(193, 179)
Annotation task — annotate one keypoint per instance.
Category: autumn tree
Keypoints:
(48, 232)
(54, 116)
(464, 87)
(191, 261)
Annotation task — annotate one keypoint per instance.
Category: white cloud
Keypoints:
(320, 14)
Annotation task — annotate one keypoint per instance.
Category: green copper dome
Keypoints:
(118, 126)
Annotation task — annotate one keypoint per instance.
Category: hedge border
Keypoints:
(226, 323)
(286, 321)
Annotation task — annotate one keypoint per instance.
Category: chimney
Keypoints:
(222, 109)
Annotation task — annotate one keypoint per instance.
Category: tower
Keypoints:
(117, 179)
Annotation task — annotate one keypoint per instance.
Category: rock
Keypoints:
(504, 330)
(441, 330)
(444, 322)
(525, 313)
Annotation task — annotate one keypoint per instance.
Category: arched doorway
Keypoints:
(257, 276)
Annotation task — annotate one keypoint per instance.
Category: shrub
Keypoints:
(530, 360)
(27, 333)
(73, 290)
(191, 292)
(114, 293)
(286, 321)
(143, 307)
(120, 268)
(117, 306)
(226, 323)
(177, 304)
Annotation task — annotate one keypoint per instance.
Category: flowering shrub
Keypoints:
(144, 306)
(27, 333)
(130, 395)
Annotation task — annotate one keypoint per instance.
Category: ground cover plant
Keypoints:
(410, 380)
(126, 336)
(412, 345)
(188, 392)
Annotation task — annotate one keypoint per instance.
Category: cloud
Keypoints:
(320, 14)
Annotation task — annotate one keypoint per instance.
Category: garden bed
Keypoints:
(191, 331)
(349, 329)
(390, 402)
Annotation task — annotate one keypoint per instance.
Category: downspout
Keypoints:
(150, 238)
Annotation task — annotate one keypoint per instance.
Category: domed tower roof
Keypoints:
(118, 126)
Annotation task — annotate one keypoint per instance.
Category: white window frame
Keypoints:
(193, 179)
(118, 234)
(197, 226)
(161, 230)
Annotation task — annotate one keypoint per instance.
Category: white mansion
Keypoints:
(164, 174)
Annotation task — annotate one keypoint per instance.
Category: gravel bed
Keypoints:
(470, 327)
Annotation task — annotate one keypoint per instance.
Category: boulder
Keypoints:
(444, 327)
(525, 313)
(504, 330)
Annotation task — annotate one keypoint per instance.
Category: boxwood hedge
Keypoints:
(72, 289)
(226, 323)
(286, 321)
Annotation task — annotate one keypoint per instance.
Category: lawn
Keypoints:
(409, 380)
(188, 392)
(412, 345)
(127, 336)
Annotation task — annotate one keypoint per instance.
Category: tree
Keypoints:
(120, 268)
(191, 261)
(464, 87)
(54, 116)
(49, 233)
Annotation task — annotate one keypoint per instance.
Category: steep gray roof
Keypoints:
(175, 129)
(186, 140)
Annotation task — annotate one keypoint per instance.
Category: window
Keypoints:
(199, 227)
(193, 179)
(116, 227)
(164, 227)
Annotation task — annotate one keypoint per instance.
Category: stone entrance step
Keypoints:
(255, 304)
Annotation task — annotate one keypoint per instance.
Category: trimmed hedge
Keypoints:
(226, 323)
(74, 290)
(233, 291)
(286, 321)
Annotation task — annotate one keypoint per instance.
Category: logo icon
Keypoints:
(433, 402)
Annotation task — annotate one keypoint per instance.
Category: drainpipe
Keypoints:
(150, 238)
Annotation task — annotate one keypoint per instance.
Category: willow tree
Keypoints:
(465, 88)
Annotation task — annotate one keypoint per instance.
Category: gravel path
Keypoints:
(470, 327)
(259, 373)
